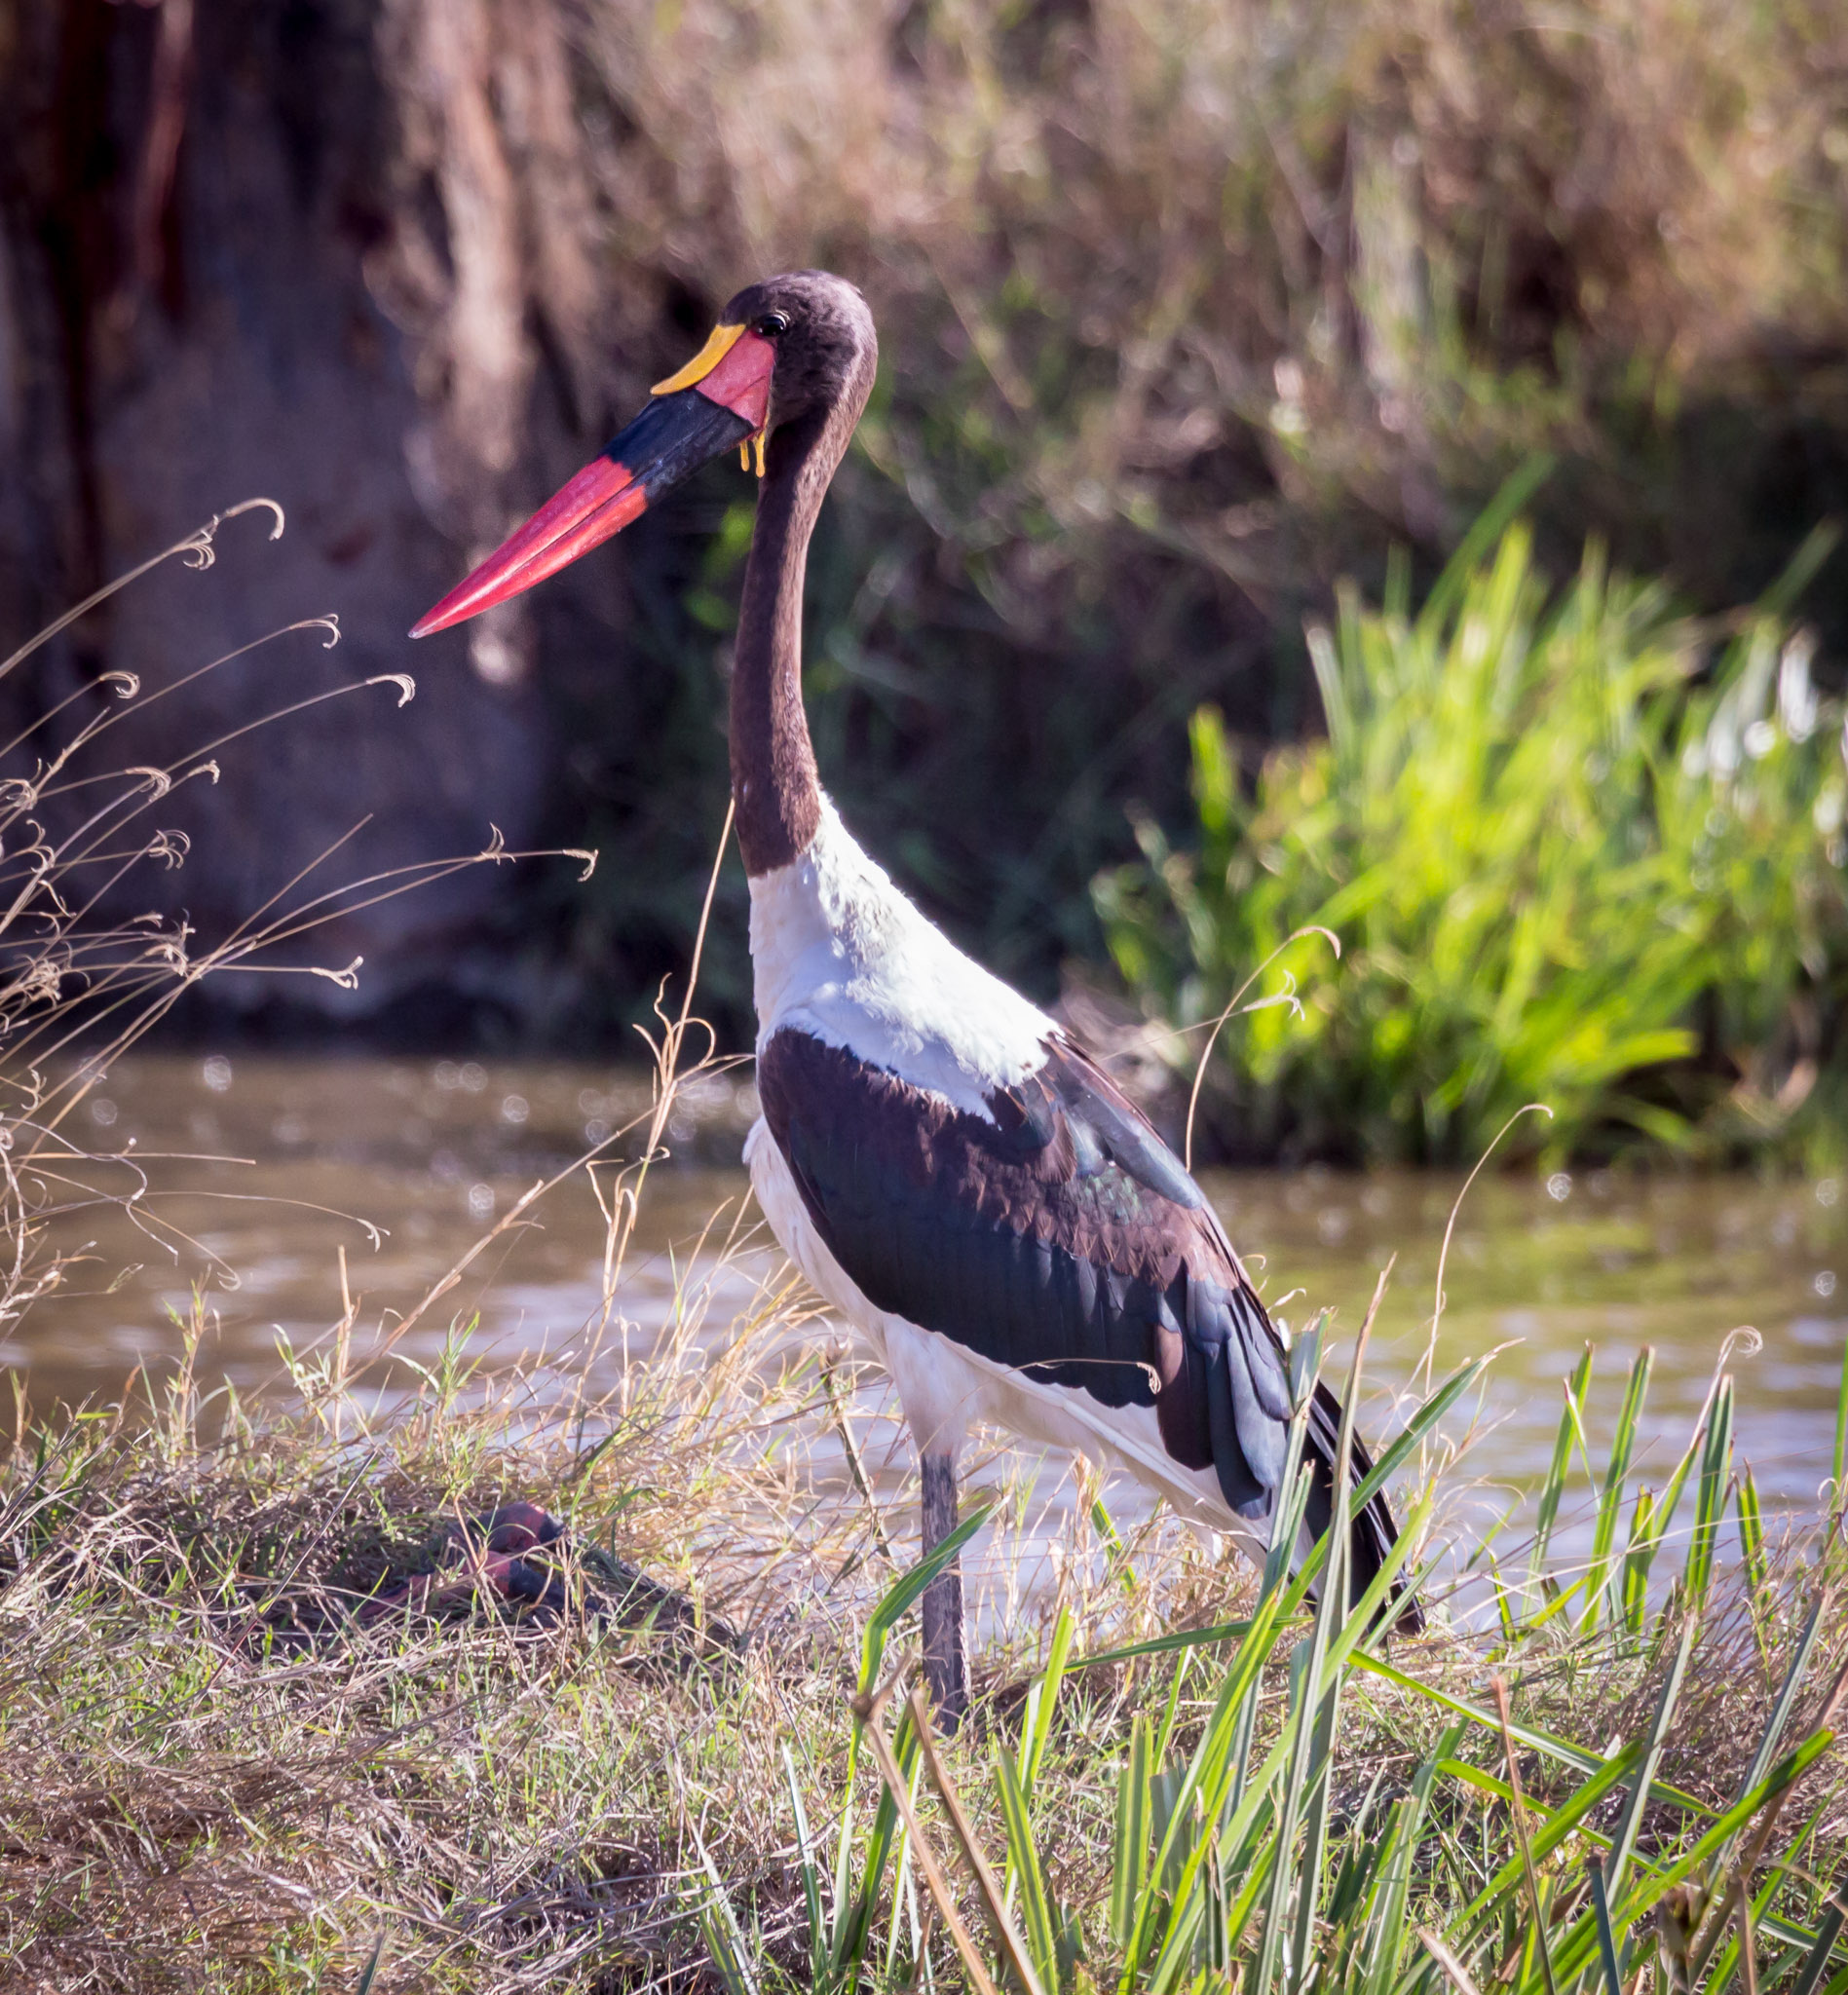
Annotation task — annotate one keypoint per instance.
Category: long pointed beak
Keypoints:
(715, 404)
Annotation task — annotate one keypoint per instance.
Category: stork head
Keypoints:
(792, 351)
(825, 347)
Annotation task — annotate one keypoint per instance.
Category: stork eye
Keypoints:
(770, 325)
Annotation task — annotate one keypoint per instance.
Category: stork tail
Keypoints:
(1372, 1533)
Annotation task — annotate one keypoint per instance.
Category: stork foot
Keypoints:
(945, 1659)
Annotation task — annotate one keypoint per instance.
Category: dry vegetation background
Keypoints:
(1189, 306)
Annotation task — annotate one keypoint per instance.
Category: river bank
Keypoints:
(243, 1743)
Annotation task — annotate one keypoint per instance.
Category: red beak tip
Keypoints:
(601, 500)
(445, 615)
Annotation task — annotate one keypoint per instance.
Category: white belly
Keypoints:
(946, 1388)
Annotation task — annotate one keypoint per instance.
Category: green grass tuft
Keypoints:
(1574, 854)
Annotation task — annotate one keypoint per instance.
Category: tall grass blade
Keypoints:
(856, 1908)
(1286, 1528)
(1388, 1928)
(1571, 1420)
(1430, 1411)
(1238, 1914)
(1710, 1504)
(1786, 1695)
(1104, 1526)
(1606, 1938)
(905, 1590)
(1630, 1822)
(1305, 1356)
(1286, 1519)
(1184, 1642)
(1517, 1810)
(732, 1952)
(1171, 1712)
(1191, 1914)
(1130, 1843)
(1243, 1732)
(1638, 1557)
(1313, 1719)
(1750, 1530)
(1024, 1871)
(848, 1934)
(1041, 1700)
(1390, 1460)
(1321, 1754)
(1289, 1879)
(1599, 1587)
(1816, 1961)
(820, 1937)
(1293, 1505)
(1208, 1773)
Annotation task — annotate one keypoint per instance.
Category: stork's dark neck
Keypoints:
(774, 778)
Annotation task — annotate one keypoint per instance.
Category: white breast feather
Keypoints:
(840, 952)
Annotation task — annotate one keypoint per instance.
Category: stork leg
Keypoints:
(946, 1665)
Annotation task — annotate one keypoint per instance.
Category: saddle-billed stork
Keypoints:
(945, 1165)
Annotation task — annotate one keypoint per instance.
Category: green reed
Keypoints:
(1577, 849)
(1495, 1852)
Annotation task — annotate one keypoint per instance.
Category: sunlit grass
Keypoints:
(221, 1764)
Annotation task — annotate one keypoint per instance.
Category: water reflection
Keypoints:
(270, 1168)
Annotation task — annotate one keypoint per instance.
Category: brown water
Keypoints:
(270, 1167)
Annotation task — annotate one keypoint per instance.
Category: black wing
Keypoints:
(1065, 1239)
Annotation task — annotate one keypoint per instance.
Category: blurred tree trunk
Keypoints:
(337, 254)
